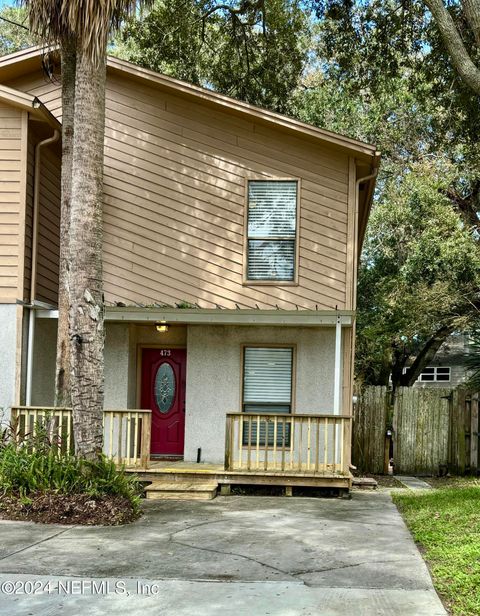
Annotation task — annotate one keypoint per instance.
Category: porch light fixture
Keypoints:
(162, 327)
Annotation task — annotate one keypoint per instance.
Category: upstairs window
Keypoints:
(272, 230)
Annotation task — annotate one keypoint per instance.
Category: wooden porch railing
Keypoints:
(126, 433)
(288, 443)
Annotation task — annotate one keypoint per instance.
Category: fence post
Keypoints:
(474, 434)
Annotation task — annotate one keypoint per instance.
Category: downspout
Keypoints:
(35, 211)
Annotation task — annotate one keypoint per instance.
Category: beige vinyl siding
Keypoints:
(48, 224)
(29, 219)
(49, 91)
(174, 214)
(48, 228)
(11, 201)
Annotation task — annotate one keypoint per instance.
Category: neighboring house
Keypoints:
(448, 368)
(231, 242)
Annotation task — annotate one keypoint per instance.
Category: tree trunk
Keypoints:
(86, 292)
(461, 59)
(62, 370)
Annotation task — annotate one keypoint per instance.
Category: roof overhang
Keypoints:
(365, 199)
(30, 103)
(28, 60)
(217, 316)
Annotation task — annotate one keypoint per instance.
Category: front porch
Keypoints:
(180, 480)
(260, 449)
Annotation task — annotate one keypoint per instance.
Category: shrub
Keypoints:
(25, 470)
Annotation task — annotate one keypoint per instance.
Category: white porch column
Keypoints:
(337, 380)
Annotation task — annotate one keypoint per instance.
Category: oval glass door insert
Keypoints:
(164, 388)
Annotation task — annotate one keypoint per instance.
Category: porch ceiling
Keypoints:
(217, 316)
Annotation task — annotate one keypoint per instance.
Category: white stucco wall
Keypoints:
(44, 353)
(214, 356)
(118, 358)
(8, 346)
(116, 366)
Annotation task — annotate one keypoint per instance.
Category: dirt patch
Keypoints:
(452, 482)
(54, 508)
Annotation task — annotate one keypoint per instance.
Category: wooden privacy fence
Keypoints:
(421, 419)
(464, 428)
(370, 423)
(287, 443)
(126, 432)
(433, 429)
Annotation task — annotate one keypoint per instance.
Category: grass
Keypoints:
(445, 522)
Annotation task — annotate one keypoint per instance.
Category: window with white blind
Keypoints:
(267, 388)
(271, 230)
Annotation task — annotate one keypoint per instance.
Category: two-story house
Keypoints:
(231, 241)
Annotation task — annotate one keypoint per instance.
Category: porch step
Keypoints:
(181, 490)
(365, 483)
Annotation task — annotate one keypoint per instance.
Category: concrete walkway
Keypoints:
(234, 555)
(413, 483)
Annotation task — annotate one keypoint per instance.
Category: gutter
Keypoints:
(368, 201)
(35, 212)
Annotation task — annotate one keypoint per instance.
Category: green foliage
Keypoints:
(24, 470)
(371, 44)
(472, 361)
(446, 523)
(13, 37)
(254, 54)
(420, 270)
(379, 73)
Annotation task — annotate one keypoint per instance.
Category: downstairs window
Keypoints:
(267, 388)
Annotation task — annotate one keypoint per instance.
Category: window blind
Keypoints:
(272, 220)
(272, 209)
(271, 260)
(267, 379)
(267, 388)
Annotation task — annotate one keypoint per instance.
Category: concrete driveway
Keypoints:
(239, 555)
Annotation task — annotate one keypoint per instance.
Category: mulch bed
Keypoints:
(54, 508)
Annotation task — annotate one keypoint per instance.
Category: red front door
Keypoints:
(163, 391)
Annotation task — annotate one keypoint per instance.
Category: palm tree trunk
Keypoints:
(62, 370)
(86, 289)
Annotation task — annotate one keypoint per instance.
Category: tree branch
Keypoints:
(14, 23)
(425, 356)
(454, 44)
(471, 8)
(467, 206)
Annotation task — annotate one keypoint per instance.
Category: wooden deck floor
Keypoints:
(181, 471)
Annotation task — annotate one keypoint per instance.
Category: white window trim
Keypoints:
(434, 374)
